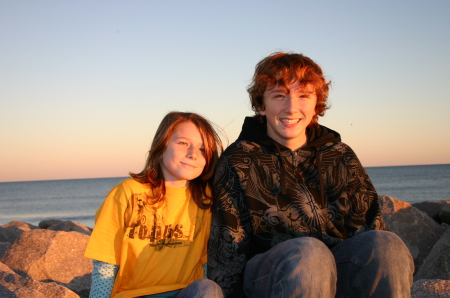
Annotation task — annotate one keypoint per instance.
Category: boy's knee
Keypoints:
(383, 240)
(306, 245)
(387, 248)
(305, 251)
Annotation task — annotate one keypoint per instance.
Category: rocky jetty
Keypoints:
(424, 227)
(44, 262)
(47, 260)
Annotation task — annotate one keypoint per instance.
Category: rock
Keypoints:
(52, 256)
(69, 226)
(11, 231)
(437, 264)
(432, 208)
(14, 285)
(444, 215)
(416, 228)
(4, 246)
(426, 288)
(47, 223)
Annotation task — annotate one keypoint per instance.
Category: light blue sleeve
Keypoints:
(205, 268)
(103, 277)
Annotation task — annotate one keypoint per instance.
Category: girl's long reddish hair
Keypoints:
(152, 173)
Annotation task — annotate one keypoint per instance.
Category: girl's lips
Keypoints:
(188, 165)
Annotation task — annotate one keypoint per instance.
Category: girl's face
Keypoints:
(184, 158)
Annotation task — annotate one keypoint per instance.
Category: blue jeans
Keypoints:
(371, 264)
(197, 289)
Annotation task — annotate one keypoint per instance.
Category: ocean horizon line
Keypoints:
(79, 199)
(114, 177)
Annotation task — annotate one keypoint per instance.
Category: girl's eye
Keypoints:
(202, 150)
(183, 143)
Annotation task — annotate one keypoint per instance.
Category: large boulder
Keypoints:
(46, 255)
(4, 246)
(432, 208)
(11, 231)
(44, 224)
(444, 214)
(13, 285)
(69, 226)
(419, 232)
(437, 264)
(426, 288)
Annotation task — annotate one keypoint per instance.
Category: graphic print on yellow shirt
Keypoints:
(167, 226)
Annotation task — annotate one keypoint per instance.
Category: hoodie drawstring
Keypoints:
(323, 201)
(283, 188)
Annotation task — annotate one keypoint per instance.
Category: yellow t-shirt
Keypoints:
(158, 249)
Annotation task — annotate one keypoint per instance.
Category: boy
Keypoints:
(296, 214)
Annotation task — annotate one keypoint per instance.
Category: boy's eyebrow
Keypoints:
(277, 88)
(299, 89)
(306, 89)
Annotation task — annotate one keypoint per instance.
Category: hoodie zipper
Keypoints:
(295, 159)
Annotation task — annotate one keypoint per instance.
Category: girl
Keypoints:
(151, 232)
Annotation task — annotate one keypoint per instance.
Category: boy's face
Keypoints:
(288, 113)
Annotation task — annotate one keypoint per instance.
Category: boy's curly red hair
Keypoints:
(284, 69)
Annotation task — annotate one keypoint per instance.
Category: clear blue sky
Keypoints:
(83, 84)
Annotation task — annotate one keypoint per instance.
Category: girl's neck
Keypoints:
(177, 183)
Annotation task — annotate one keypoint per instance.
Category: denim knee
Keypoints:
(373, 263)
(311, 254)
(204, 288)
(304, 246)
(382, 244)
(307, 250)
(295, 267)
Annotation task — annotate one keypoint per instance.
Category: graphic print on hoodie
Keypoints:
(267, 193)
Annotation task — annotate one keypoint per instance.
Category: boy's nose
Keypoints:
(291, 104)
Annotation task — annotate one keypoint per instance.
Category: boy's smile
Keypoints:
(288, 113)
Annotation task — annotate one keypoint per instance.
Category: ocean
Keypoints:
(78, 200)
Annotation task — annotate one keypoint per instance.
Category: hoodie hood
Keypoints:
(318, 135)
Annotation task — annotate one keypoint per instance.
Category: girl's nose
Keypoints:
(191, 154)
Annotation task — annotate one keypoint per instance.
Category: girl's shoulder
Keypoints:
(130, 182)
(129, 185)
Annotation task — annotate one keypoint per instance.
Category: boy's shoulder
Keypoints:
(243, 147)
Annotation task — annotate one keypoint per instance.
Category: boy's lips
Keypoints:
(289, 121)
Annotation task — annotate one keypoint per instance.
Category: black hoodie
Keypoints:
(267, 193)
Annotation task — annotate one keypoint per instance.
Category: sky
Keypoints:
(84, 84)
